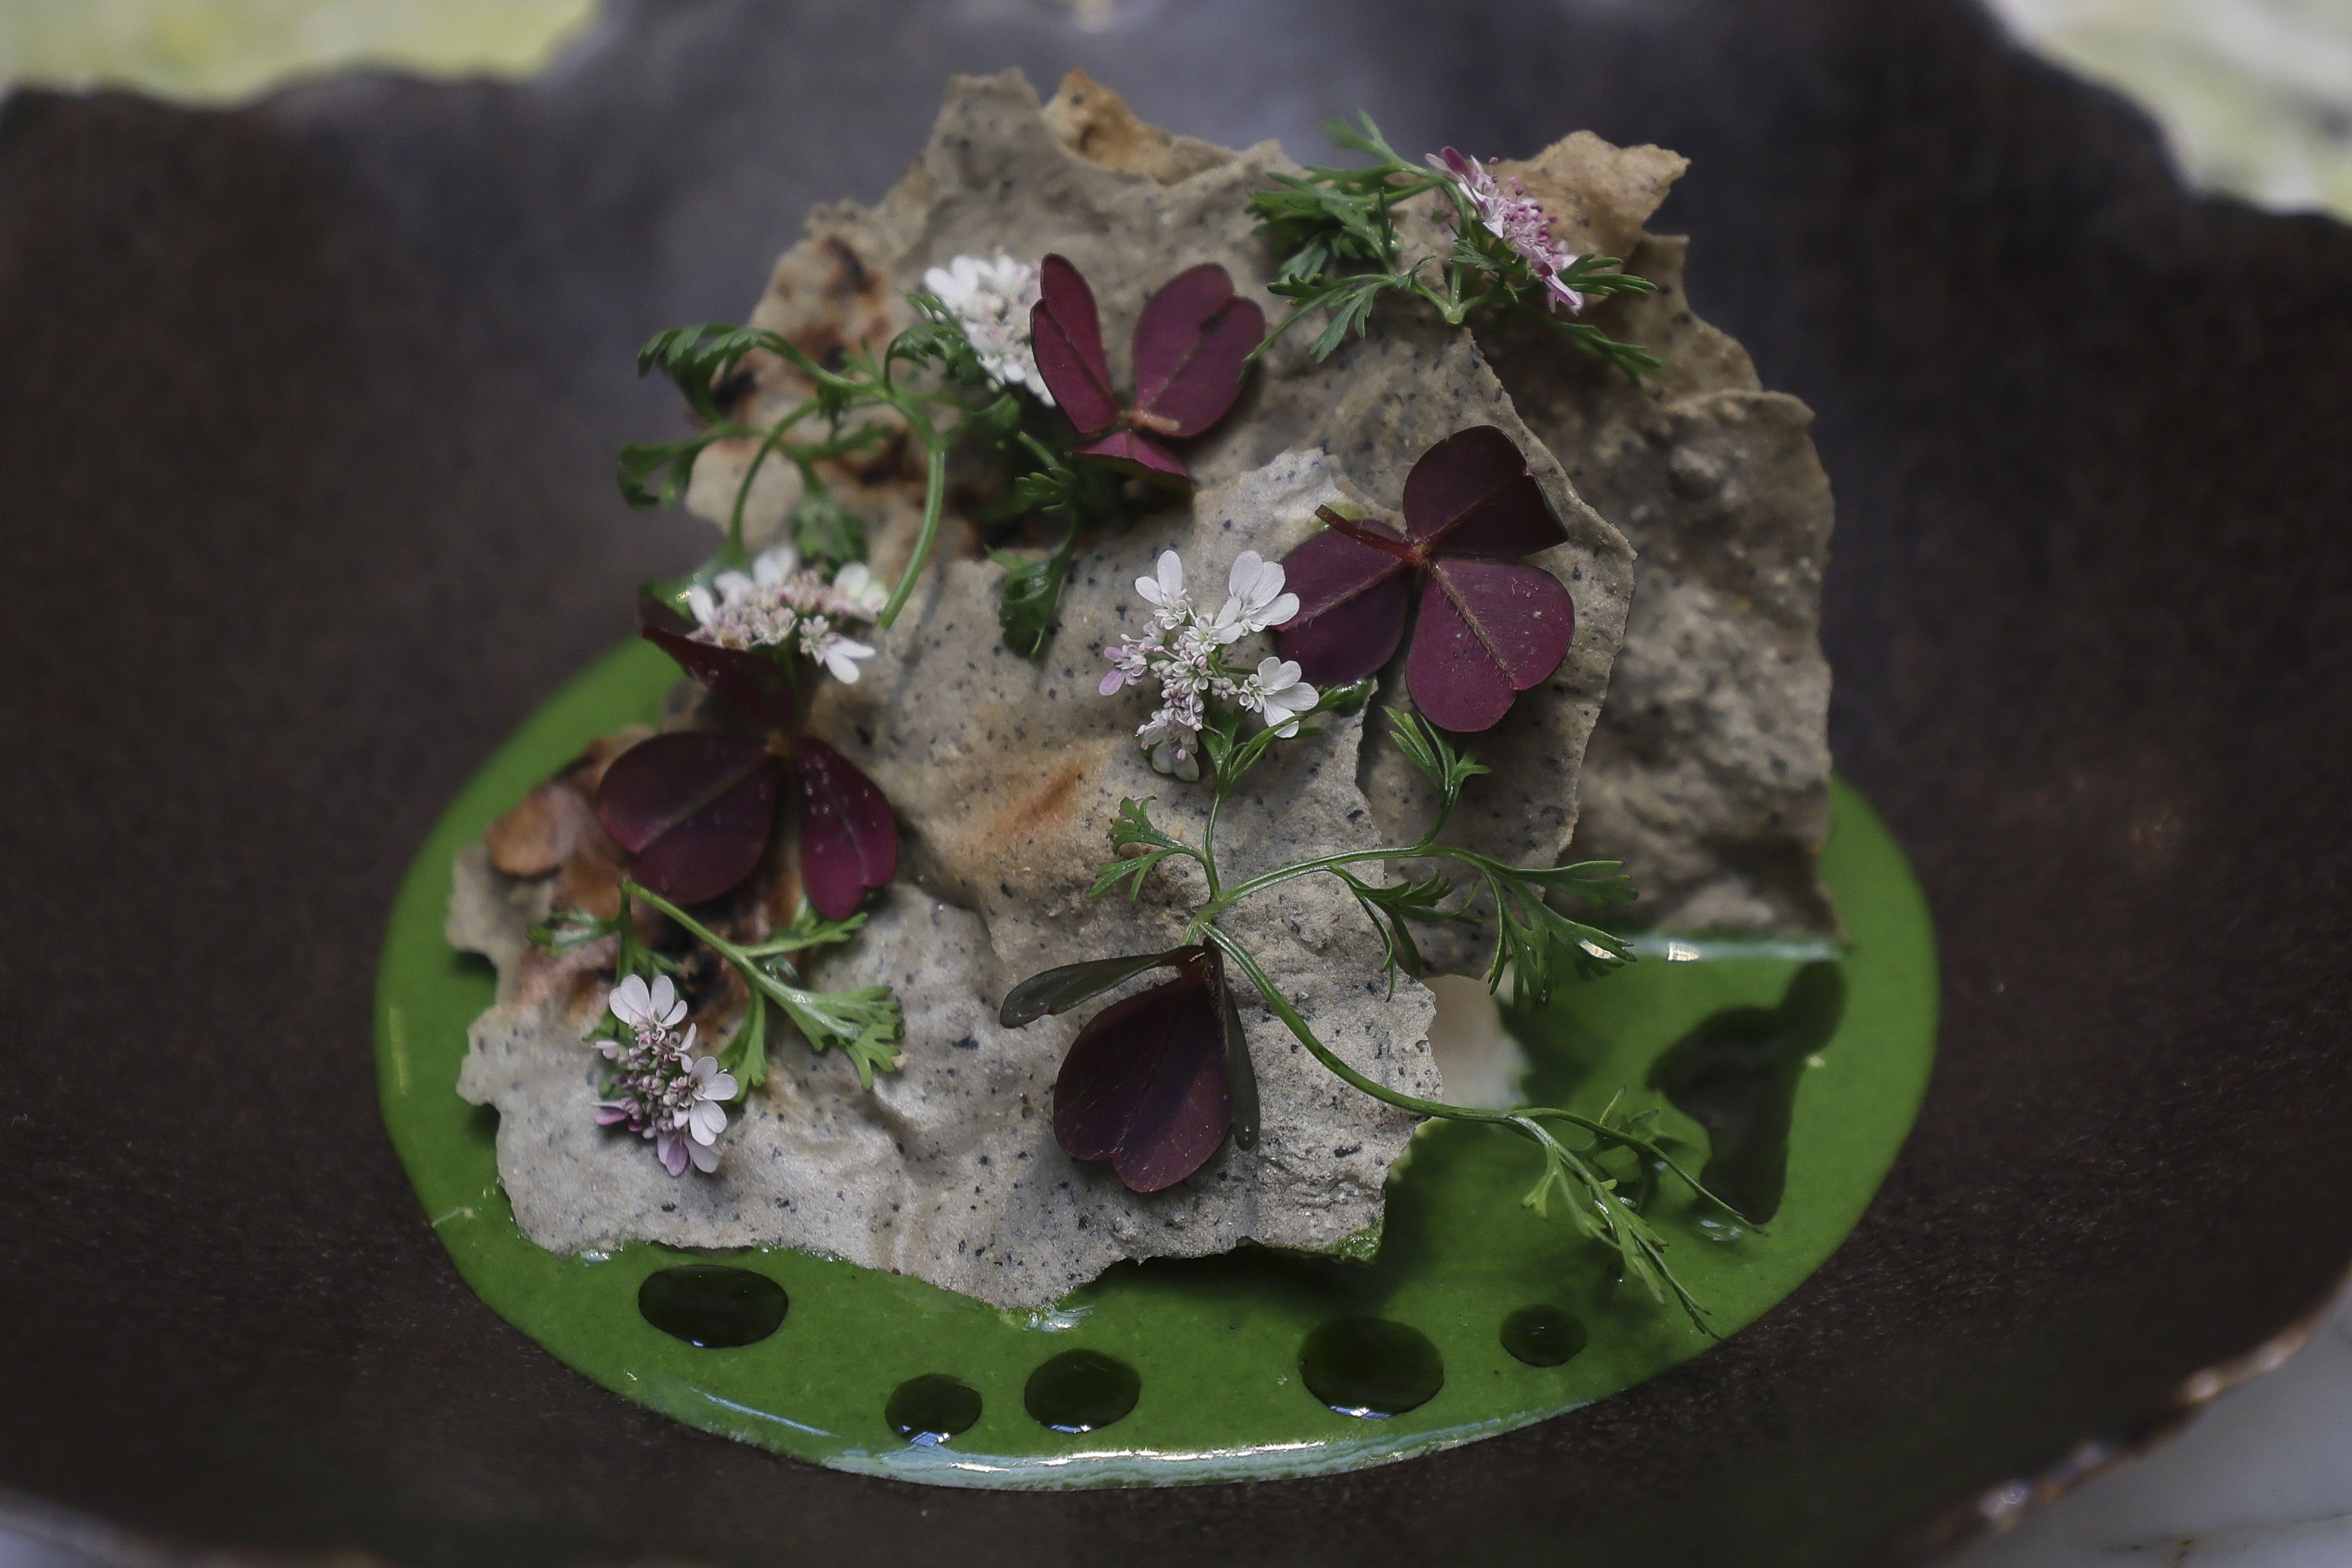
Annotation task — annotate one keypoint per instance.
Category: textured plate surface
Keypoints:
(306, 441)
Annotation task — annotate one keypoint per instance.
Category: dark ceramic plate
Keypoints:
(305, 437)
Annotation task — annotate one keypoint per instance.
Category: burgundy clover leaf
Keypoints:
(1153, 1082)
(849, 839)
(1193, 343)
(758, 685)
(696, 810)
(1489, 627)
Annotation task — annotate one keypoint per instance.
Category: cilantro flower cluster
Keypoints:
(1518, 220)
(1184, 651)
(780, 603)
(991, 300)
(660, 1088)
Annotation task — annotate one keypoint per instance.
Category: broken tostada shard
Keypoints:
(1185, 628)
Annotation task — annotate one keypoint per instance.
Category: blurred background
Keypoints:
(2254, 99)
(2254, 95)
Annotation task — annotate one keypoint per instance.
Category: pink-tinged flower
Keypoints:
(659, 1088)
(779, 604)
(1518, 220)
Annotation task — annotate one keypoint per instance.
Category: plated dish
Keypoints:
(2080, 612)
(1033, 858)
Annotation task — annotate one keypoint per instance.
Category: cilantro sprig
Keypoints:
(1535, 943)
(1538, 946)
(1078, 497)
(1336, 231)
(862, 1023)
(848, 410)
(859, 406)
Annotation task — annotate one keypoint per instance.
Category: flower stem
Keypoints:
(693, 928)
(1526, 1120)
(1208, 855)
(1219, 902)
(768, 443)
(935, 490)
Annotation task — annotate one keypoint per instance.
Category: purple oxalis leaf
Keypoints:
(1134, 453)
(849, 839)
(1472, 493)
(1144, 1085)
(694, 810)
(754, 683)
(1352, 603)
(1240, 1073)
(1065, 336)
(1058, 989)
(1192, 342)
(1192, 345)
(1488, 631)
(1489, 628)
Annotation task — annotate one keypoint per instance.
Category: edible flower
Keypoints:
(1515, 218)
(779, 604)
(658, 1088)
(1182, 653)
(991, 300)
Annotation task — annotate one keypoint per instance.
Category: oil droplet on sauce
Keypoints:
(1371, 1367)
(1542, 1335)
(930, 1409)
(713, 1306)
(1081, 1390)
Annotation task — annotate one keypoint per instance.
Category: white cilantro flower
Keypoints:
(781, 604)
(1175, 757)
(861, 593)
(747, 612)
(991, 300)
(837, 653)
(1164, 592)
(1276, 691)
(1181, 652)
(705, 1113)
(1257, 601)
(658, 1007)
